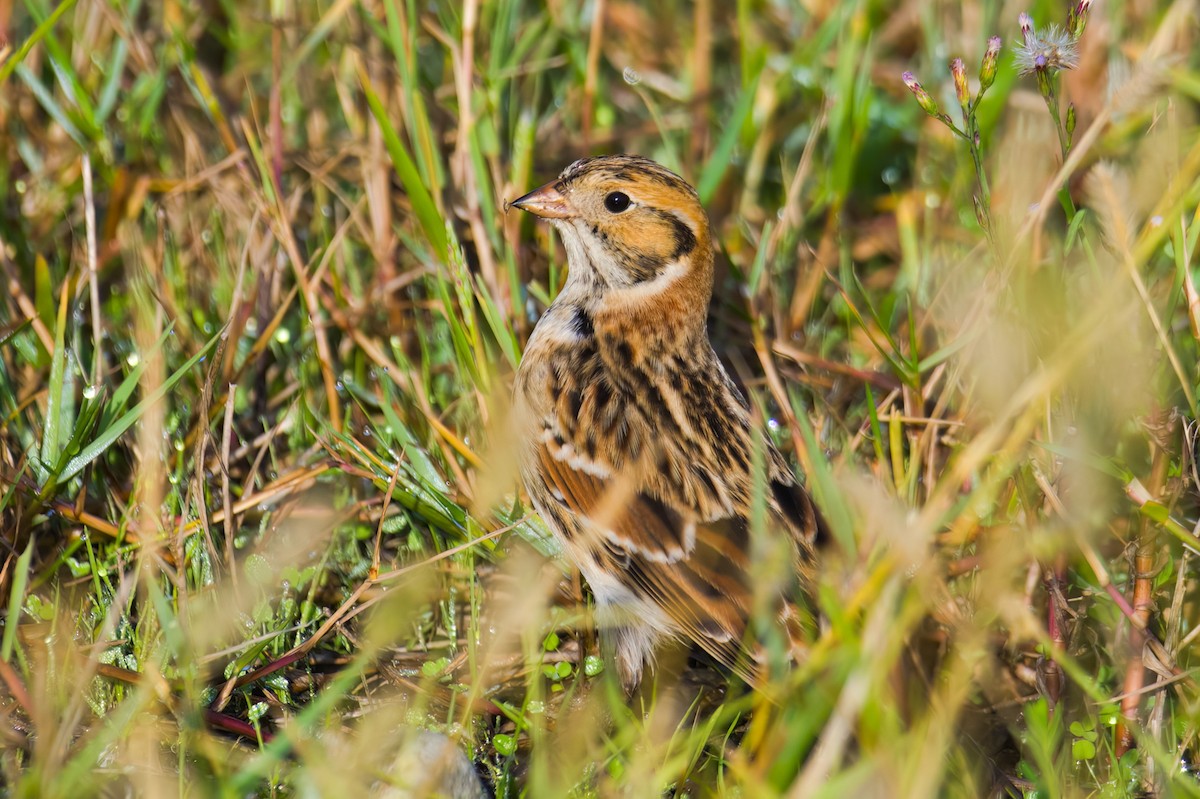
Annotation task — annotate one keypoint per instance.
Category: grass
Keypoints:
(260, 521)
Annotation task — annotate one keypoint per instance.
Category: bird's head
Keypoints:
(630, 224)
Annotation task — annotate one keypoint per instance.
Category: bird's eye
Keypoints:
(616, 202)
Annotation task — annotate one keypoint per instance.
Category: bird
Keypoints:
(636, 447)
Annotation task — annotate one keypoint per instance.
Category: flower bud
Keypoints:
(1077, 17)
(1070, 120)
(1026, 23)
(927, 103)
(987, 70)
(959, 72)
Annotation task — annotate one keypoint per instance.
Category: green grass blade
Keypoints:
(38, 34)
(722, 155)
(427, 213)
(16, 598)
(117, 428)
(51, 106)
(55, 391)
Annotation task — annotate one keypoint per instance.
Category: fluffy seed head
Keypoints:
(1047, 51)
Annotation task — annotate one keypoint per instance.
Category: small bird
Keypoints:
(636, 445)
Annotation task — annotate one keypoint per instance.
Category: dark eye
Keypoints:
(616, 202)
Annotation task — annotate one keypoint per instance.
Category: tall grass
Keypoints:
(261, 526)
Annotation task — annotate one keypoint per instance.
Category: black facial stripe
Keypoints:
(685, 239)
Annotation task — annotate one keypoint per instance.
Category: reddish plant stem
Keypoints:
(1051, 674)
(1142, 601)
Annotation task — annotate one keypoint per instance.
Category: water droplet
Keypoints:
(206, 236)
(890, 176)
(282, 335)
(1156, 221)
(91, 392)
(631, 76)
(933, 200)
(20, 186)
(133, 359)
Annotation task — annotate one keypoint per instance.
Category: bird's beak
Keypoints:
(547, 202)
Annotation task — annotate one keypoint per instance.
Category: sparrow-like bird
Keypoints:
(636, 445)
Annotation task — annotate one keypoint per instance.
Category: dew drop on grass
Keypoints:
(536, 707)
(890, 176)
(91, 392)
(20, 186)
(933, 200)
(206, 236)
(631, 76)
(133, 359)
(282, 335)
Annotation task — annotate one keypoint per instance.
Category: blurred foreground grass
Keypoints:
(259, 518)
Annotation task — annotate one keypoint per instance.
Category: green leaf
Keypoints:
(1083, 749)
(504, 745)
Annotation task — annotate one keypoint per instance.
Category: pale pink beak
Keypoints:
(547, 202)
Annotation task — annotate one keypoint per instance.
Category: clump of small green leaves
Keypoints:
(969, 103)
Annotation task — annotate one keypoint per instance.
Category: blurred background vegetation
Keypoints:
(261, 533)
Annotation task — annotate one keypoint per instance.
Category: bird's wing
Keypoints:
(695, 569)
